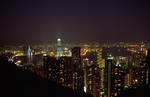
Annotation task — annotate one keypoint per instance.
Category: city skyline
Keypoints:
(75, 48)
(101, 70)
(74, 21)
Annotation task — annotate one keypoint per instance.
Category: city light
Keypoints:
(86, 68)
(75, 48)
(58, 39)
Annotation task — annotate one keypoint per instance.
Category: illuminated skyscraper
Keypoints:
(51, 68)
(99, 58)
(117, 80)
(108, 76)
(85, 64)
(93, 80)
(114, 77)
(76, 57)
(59, 48)
(142, 74)
(66, 71)
(101, 63)
(78, 76)
(29, 54)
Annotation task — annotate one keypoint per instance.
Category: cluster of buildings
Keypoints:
(103, 71)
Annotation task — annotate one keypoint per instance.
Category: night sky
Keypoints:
(38, 21)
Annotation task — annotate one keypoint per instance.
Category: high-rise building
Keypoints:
(129, 71)
(148, 66)
(76, 58)
(78, 75)
(117, 80)
(102, 82)
(66, 71)
(110, 63)
(76, 55)
(99, 59)
(51, 68)
(85, 64)
(101, 65)
(29, 54)
(114, 78)
(142, 74)
(93, 66)
(93, 80)
(136, 72)
(59, 48)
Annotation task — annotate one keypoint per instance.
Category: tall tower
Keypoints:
(108, 75)
(29, 54)
(76, 55)
(59, 48)
(114, 77)
(78, 77)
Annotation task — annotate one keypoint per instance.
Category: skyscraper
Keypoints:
(59, 48)
(108, 76)
(51, 68)
(76, 57)
(85, 64)
(78, 75)
(114, 77)
(65, 71)
(93, 80)
(29, 54)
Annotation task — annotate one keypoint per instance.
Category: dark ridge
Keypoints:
(142, 91)
(16, 82)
